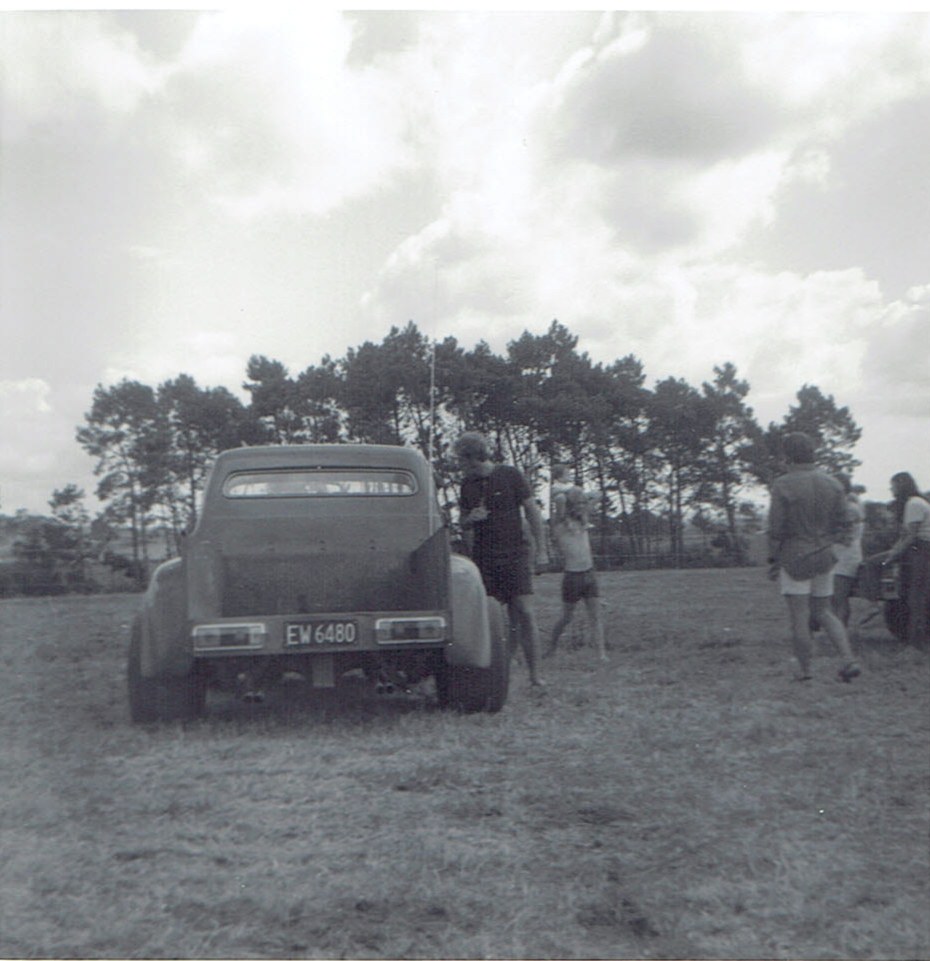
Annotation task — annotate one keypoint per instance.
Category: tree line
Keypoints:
(657, 457)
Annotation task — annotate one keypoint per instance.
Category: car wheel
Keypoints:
(473, 689)
(460, 687)
(150, 700)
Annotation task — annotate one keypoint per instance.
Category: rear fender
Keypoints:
(165, 648)
(471, 635)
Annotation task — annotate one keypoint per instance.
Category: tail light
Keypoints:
(225, 637)
(410, 630)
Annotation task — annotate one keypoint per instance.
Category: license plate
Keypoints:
(320, 633)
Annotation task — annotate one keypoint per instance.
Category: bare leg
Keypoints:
(513, 632)
(560, 625)
(521, 612)
(593, 605)
(842, 588)
(799, 613)
(822, 609)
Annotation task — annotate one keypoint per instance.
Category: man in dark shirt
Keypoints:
(493, 502)
(807, 518)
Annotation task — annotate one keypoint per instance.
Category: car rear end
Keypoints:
(319, 560)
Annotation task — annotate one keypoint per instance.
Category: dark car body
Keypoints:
(316, 560)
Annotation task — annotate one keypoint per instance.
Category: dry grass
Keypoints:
(687, 801)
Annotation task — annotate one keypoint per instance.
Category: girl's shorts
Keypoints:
(577, 585)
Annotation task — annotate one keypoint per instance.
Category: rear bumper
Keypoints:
(320, 634)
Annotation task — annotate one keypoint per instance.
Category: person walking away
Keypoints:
(848, 556)
(807, 519)
(579, 581)
(912, 512)
(494, 500)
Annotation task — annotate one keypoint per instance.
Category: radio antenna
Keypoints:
(432, 378)
(432, 398)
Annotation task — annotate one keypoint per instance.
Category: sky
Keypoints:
(182, 190)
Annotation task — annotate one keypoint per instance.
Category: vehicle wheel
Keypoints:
(175, 699)
(896, 618)
(463, 688)
(473, 689)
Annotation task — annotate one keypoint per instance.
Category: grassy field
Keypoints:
(687, 800)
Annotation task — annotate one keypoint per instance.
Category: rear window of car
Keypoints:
(320, 482)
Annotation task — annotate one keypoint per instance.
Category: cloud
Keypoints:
(213, 357)
(272, 118)
(693, 135)
(864, 202)
(27, 396)
(897, 366)
(691, 188)
(831, 70)
(264, 112)
(678, 98)
(381, 33)
(59, 67)
(781, 330)
(606, 223)
(28, 430)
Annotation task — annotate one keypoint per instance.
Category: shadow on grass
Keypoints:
(353, 702)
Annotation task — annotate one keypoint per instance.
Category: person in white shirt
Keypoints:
(912, 511)
(848, 556)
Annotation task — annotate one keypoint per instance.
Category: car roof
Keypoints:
(321, 455)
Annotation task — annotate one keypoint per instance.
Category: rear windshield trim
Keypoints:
(319, 482)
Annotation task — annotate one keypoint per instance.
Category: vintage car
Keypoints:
(316, 562)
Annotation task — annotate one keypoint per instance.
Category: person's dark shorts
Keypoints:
(507, 579)
(577, 585)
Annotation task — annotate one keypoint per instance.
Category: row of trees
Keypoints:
(657, 456)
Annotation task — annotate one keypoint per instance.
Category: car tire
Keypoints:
(470, 690)
(462, 688)
(150, 700)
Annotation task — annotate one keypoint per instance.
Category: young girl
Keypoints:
(579, 582)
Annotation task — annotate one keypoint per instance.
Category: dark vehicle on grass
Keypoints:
(886, 586)
(316, 561)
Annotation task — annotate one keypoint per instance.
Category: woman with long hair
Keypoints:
(912, 512)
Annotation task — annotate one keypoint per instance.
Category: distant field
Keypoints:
(688, 800)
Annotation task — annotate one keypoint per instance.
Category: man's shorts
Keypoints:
(820, 585)
(507, 579)
(577, 585)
